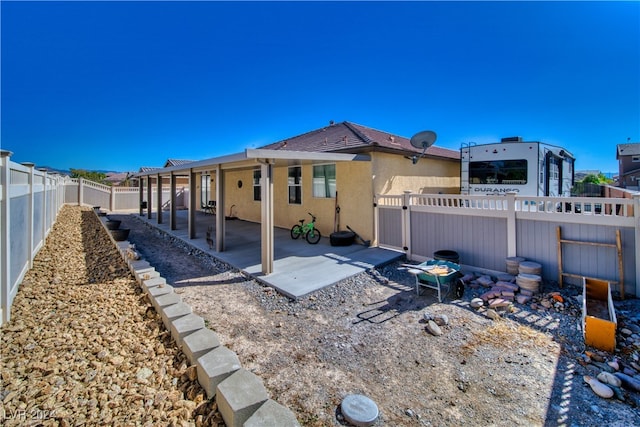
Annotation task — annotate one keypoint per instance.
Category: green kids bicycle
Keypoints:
(309, 231)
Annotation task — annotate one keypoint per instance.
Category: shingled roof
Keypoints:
(176, 162)
(352, 138)
(632, 149)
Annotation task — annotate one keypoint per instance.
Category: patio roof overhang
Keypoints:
(249, 159)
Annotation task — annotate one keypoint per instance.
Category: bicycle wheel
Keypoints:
(296, 231)
(313, 236)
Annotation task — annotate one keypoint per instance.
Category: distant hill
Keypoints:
(54, 170)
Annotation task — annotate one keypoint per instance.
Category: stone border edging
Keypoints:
(241, 396)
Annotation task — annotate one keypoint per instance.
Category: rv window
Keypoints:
(509, 172)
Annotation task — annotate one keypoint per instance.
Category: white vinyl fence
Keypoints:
(485, 230)
(29, 204)
(88, 193)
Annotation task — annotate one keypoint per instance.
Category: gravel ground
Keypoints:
(364, 335)
(82, 348)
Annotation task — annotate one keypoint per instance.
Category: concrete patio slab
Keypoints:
(299, 268)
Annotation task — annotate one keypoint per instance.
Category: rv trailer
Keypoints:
(527, 168)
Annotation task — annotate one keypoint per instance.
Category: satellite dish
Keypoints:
(424, 140)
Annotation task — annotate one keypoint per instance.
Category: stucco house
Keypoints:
(300, 187)
(628, 156)
(341, 165)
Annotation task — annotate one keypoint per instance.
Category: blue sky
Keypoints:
(120, 85)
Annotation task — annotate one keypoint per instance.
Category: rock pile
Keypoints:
(611, 377)
(82, 346)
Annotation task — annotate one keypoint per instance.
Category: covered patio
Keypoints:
(299, 268)
(258, 248)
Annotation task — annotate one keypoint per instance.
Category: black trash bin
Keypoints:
(447, 255)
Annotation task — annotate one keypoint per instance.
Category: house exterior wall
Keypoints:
(239, 200)
(356, 184)
(355, 198)
(626, 165)
(394, 174)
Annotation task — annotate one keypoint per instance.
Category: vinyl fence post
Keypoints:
(406, 223)
(512, 243)
(112, 200)
(80, 191)
(30, 214)
(5, 238)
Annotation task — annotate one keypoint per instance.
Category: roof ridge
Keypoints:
(359, 134)
(303, 134)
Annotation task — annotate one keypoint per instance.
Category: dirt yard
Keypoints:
(367, 335)
(364, 335)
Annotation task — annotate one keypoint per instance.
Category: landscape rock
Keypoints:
(433, 328)
(476, 303)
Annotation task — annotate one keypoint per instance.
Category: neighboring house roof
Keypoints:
(147, 169)
(351, 137)
(176, 162)
(117, 177)
(632, 149)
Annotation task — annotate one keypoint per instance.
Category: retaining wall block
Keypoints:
(271, 413)
(156, 291)
(199, 343)
(138, 265)
(167, 300)
(239, 396)
(123, 246)
(214, 367)
(153, 282)
(143, 275)
(172, 312)
(184, 326)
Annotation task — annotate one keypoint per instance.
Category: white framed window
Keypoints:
(324, 181)
(635, 159)
(257, 189)
(295, 185)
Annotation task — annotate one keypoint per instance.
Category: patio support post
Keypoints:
(192, 204)
(636, 214)
(266, 174)
(141, 193)
(511, 225)
(220, 222)
(149, 198)
(159, 198)
(172, 208)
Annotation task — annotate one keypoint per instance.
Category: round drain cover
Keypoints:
(359, 410)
